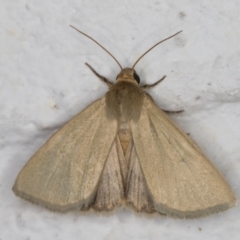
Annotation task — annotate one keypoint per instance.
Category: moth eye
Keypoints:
(136, 77)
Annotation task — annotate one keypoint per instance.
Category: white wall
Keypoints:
(44, 83)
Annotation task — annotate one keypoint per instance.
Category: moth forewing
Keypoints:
(124, 148)
(180, 179)
(64, 174)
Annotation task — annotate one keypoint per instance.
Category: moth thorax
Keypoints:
(124, 101)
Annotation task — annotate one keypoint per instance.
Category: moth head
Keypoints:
(128, 74)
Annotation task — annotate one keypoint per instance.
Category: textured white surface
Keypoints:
(44, 83)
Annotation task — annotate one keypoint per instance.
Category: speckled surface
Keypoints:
(44, 83)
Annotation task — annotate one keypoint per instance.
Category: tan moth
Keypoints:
(124, 150)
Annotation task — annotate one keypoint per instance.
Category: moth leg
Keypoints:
(100, 76)
(167, 111)
(146, 86)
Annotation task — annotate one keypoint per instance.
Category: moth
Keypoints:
(124, 150)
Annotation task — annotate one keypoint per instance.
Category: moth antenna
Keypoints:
(98, 45)
(154, 47)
